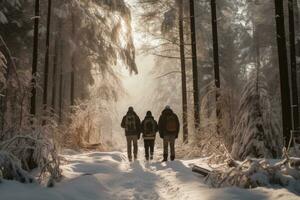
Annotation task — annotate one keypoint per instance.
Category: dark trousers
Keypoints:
(130, 140)
(149, 147)
(169, 140)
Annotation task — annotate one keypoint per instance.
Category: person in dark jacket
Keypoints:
(149, 130)
(168, 126)
(132, 125)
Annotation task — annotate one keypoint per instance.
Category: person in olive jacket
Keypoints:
(149, 130)
(168, 126)
(132, 125)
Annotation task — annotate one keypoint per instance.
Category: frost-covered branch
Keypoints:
(253, 173)
(28, 149)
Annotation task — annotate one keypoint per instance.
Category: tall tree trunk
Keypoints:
(195, 66)
(295, 106)
(72, 65)
(283, 71)
(46, 70)
(257, 52)
(35, 57)
(297, 31)
(54, 75)
(216, 58)
(61, 76)
(183, 73)
(72, 82)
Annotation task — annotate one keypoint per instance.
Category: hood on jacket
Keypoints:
(148, 114)
(130, 112)
(167, 111)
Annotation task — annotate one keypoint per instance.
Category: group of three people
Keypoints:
(168, 127)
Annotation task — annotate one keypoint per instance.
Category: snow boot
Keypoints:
(172, 158)
(165, 158)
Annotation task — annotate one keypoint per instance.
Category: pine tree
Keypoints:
(54, 74)
(183, 72)
(46, 69)
(72, 83)
(256, 132)
(283, 70)
(35, 57)
(216, 56)
(195, 66)
(293, 65)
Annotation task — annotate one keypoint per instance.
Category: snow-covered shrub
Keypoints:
(253, 173)
(11, 169)
(82, 126)
(294, 145)
(208, 141)
(225, 118)
(84, 130)
(27, 149)
(257, 130)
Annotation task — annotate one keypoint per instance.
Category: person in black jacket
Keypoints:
(168, 126)
(132, 125)
(149, 130)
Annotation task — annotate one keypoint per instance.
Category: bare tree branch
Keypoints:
(169, 73)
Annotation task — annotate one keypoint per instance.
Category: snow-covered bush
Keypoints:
(87, 121)
(225, 118)
(294, 145)
(253, 173)
(25, 145)
(26, 149)
(10, 168)
(83, 125)
(257, 129)
(208, 141)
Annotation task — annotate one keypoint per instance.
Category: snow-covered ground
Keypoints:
(108, 176)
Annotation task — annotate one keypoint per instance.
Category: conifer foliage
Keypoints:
(257, 131)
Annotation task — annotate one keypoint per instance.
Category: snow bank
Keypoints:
(95, 175)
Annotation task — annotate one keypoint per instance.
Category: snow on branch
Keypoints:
(25, 150)
(256, 132)
(10, 168)
(253, 173)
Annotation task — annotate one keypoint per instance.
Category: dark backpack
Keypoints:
(130, 122)
(149, 125)
(171, 123)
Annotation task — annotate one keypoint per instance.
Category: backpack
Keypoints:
(149, 125)
(130, 124)
(171, 123)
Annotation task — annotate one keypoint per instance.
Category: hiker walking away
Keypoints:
(149, 130)
(168, 126)
(132, 125)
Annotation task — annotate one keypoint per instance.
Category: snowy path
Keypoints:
(108, 176)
